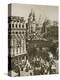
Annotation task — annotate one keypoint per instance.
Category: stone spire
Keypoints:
(32, 15)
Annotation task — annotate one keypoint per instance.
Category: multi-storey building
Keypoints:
(17, 37)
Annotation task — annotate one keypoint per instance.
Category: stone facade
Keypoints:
(17, 36)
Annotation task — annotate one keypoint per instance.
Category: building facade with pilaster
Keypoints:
(17, 37)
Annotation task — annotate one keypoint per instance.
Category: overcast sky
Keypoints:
(23, 10)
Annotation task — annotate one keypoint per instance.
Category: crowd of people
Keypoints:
(38, 66)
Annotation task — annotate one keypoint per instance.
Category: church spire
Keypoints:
(32, 15)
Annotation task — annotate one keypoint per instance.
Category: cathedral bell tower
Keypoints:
(31, 16)
(31, 24)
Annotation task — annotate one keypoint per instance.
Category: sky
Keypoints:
(23, 10)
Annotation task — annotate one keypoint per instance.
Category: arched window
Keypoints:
(12, 25)
(16, 25)
(23, 26)
(19, 26)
